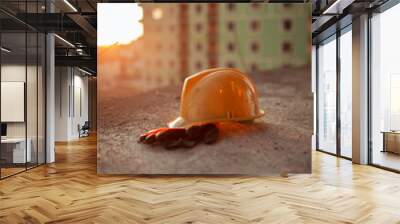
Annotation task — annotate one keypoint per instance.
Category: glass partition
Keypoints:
(22, 91)
(31, 100)
(346, 93)
(327, 95)
(41, 96)
(14, 153)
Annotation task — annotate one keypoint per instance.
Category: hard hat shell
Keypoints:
(217, 95)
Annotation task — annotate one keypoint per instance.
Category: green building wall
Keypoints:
(270, 36)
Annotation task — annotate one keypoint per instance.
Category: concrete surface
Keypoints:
(279, 142)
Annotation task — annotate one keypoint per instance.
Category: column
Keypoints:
(360, 90)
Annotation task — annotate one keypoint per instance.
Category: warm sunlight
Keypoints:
(157, 14)
(118, 23)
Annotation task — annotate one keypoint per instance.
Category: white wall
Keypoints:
(70, 83)
(13, 100)
(12, 73)
(62, 82)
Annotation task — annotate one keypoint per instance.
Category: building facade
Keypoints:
(181, 39)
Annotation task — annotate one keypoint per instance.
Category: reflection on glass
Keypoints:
(346, 94)
(386, 89)
(327, 96)
(41, 99)
(22, 92)
(15, 151)
(31, 100)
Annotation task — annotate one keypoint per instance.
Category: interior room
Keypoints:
(22, 100)
(71, 100)
(55, 72)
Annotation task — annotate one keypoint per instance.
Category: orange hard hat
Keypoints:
(217, 95)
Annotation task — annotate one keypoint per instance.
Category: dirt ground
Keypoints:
(278, 142)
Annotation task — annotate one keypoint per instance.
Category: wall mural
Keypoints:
(210, 88)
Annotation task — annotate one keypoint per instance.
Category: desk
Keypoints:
(15, 148)
(391, 141)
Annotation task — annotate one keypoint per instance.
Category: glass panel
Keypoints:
(41, 98)
(385, 114)
(32, 95)
(23, 90)
(327, 96)
(346, 94)
(13, 89)
(32, 87)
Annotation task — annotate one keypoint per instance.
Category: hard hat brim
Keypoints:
(180, 122)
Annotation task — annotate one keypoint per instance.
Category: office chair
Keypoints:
(84, 130)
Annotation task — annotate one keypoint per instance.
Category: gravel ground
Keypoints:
(278, 142)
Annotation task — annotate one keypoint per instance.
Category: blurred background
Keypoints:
(161, 44)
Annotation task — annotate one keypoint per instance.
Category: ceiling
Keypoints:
(74, 22)
(330, 15)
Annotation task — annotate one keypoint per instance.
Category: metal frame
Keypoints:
(0, 91)
(338, 98)
(339, 32)
(26, 90)
(316, 98)
(369, 100)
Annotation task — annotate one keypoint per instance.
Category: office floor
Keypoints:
(8, 171)
(69, 191)
(386, 159)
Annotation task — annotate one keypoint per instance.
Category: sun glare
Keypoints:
(157, 14)
(118, 23)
